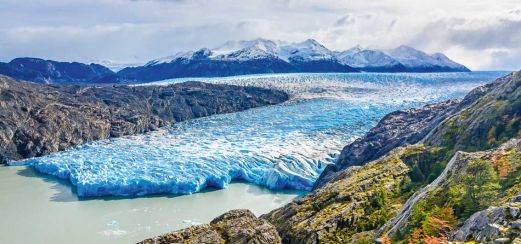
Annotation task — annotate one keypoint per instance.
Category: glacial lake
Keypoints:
(40, 209)
(281, 147)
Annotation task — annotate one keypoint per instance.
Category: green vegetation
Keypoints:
(491, 121)
(377, 211)
(426, 165)
(477, 189)
(487, 179)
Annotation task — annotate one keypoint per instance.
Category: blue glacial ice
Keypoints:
(281, 146)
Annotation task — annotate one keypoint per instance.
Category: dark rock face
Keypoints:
(48, 71)
(320, 66)
(237, 226)
(36, 120)
(205, 67)
(394, 130)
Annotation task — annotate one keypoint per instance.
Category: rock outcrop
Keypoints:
(199, 234)
(36, 119)
(495, 224)
(237, 226)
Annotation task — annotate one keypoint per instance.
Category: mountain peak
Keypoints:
(310, 43)
(419, 60)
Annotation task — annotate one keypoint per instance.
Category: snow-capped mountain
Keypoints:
(400, 59)
(239, 58)
(416, 60)
(246, 50)
(442, 59)
(369, 60)
(309, 50)
(203, 53)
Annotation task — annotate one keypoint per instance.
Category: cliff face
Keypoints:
(430, 192)
(36, 120)
(501, 224)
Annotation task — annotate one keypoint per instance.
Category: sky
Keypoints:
(481, 34)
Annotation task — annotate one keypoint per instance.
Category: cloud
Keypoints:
(140, 30)
(491, 42)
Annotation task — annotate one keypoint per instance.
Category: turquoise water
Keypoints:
(281, 147)
(40, 209)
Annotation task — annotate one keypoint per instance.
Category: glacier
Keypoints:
(283, 146)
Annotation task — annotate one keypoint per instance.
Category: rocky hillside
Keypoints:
(450, 207)
(357, 200)
(431, 192)
(39, 119)
(394, 130)
(490, 121)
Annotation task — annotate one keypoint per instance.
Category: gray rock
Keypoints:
(489, 225)
(514, 211)
(241, 226)
(516, 225)
(203, 234)
(502, 240)
(237, 226)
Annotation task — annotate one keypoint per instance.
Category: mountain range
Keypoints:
(237, 58)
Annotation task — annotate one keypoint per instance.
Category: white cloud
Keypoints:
(139, 30)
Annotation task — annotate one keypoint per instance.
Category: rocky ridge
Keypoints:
(36, 119)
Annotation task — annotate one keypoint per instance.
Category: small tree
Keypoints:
(481, 185)
(416, 174)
